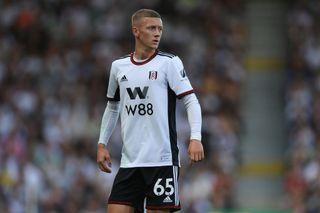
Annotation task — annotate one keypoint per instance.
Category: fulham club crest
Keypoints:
(153, 75)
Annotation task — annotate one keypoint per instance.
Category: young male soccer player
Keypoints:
(143, 88)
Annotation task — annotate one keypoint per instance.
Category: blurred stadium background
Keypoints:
(253, 63)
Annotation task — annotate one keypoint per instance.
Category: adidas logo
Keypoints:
(167, 200)
(124, 78)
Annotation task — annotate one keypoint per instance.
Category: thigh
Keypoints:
(162, 188)
(116, 208)
(128, 189)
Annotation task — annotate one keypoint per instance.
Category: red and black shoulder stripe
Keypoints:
(125, 56)
(165, 54)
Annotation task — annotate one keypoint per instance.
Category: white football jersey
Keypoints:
(147, 92)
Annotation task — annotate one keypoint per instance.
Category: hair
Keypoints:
(144, 13)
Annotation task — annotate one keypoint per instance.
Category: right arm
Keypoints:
(108, 123)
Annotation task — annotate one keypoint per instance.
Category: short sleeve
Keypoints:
(177, 78)
(113, 87)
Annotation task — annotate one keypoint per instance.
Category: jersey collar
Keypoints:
(145, 61)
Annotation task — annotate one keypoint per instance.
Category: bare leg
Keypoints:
(117, 208)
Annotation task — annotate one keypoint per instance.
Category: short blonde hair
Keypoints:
(144, 13)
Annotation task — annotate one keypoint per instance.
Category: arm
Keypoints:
(180, 84)
(108, 123)
(195, 150)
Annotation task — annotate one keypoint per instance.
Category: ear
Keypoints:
(135, 31)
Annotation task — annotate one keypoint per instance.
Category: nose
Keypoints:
(158, 33)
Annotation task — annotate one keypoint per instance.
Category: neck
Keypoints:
(142, 54)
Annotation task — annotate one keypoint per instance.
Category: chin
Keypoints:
(153, 47)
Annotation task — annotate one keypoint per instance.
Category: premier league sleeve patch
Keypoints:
(183, 73)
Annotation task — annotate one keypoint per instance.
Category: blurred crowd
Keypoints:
(302, 110)
(55, 57)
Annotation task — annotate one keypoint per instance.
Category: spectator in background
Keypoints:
(302, 182)
(52, 79)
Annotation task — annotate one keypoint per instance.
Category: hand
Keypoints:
(103, 158)
(195, 150)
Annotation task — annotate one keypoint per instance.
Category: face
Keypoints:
(148, 32)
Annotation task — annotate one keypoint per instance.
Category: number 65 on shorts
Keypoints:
(159, 185)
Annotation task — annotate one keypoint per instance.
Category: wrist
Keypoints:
(101, 145)
(195, 137)
(195, 140)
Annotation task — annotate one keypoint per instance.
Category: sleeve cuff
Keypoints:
(196, 137)
(102, 142)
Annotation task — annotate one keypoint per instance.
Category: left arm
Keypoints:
(179, 83)
(195, 150)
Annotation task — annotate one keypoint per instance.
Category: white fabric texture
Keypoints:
(109, 121)
(194, 115)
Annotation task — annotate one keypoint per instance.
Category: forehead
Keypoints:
(151, 21)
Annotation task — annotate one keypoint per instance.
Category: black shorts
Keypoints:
(158, 185)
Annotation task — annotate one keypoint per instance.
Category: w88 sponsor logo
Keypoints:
(141, 109)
